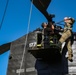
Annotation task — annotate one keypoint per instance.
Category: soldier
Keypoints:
(48, 29)
(44, 34)
(66, 36)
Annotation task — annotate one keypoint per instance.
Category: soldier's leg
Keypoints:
(65, 36)
(70, 52)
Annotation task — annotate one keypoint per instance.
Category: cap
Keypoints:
(44, 23)
(72, 20)
(67, 18)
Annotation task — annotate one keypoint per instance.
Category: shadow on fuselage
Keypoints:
(56, 64)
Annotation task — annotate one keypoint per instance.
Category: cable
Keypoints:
(4, 14)
(26, 38)
(59, 23)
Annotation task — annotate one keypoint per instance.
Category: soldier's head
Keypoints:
(44, 25)
(69, 20)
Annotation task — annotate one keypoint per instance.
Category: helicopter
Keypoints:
(34, 46)
(39, 48)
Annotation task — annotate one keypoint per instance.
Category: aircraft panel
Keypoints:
(33, 66)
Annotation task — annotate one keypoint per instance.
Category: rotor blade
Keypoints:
(4, 48)
(42, 6)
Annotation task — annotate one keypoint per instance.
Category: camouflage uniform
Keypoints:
(67, 34)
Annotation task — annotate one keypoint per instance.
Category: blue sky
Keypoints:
(16, 21)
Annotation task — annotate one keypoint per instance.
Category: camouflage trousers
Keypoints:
(66, 37)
